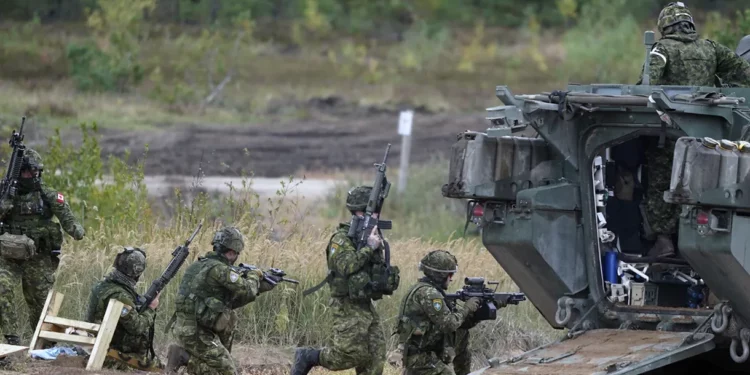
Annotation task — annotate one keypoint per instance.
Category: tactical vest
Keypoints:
(415, 331)
(688, 63)
(200, 301)
(121, 340)
(31, 215)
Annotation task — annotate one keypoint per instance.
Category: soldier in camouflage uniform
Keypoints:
(433, 333)
(681, 58)
(30, 243)
(210, 290)
(358, 338)
(132, 341)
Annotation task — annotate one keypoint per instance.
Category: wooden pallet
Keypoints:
(51, 328)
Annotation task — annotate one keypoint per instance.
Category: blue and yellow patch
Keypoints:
(437, 304)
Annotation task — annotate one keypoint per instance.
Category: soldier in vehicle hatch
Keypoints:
(681, 58)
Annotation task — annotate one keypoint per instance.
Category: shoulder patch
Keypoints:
(125, 310)
(60, 198)
(233, 276)
(437, 304)
(338, 240)
(333, 248)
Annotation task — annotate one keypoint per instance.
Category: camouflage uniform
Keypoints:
(434, 333)
(29, 216)
(681, 58)
(133, 336)
(210, 290)
(358, 338)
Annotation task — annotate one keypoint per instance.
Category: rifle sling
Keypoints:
(329, 276)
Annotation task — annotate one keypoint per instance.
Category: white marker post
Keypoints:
(404, 128)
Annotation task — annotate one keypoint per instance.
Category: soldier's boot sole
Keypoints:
(304, 360)
(177, 357)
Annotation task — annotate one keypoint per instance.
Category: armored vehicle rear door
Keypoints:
(606, 351)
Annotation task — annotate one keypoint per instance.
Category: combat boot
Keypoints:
(12, 340)
(662, 248)
(177, 357)
(304, 360)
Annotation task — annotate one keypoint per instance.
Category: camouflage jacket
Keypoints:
(209, 292)
(133, 328)
(427, 322)
(685, 60)
(31, 214)
(350, 268)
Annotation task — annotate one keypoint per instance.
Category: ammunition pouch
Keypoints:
(17, 246)
(359, 286)
(212, 314)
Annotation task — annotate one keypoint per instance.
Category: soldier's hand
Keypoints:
(265, 286)
(374, 241)
(472, 304)
(6, 205)
(155, 303)
(396, 357)
(78, 232)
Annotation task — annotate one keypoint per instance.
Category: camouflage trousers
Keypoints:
(37, 276)
(358, 338)
(451, 361)
(662, 216)
(208, 353)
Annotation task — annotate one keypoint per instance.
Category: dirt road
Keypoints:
(334, 136)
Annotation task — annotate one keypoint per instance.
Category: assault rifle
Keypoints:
(475, 287)
(273, 276)
(9, 182)
(179, 255)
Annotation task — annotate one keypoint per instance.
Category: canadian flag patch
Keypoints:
(60, 198)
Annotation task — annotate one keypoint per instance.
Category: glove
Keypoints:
(78, 232)
(6, 205)
(265, 286)
(396, 357)
(472, 304)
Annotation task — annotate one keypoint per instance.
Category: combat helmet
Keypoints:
(32, 160)
(673, 14)
(131, 261)
(228, 238)
(357, 198)
(438, 265)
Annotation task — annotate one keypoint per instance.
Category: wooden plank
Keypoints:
(86, 326)
(62, 337)
(51, 307)
(108, 326)
(6, 350)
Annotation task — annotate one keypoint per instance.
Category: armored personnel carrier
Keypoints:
(563, 214)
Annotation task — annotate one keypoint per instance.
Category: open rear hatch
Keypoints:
(606, 351)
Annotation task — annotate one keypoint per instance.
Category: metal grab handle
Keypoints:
(564, 310)
(720, 321)
(744, 338)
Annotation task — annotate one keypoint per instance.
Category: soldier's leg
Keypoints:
(376, 341)
(350, 347)
(38, 277)
(426, 364)
(207, 354)
(462, 362)
(10, 273)
(662, 216)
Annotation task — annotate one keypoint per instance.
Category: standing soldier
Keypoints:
(358, 339)
(210, 290)
(681, 58)
(132, 342)
(433, 334)
(30, 243)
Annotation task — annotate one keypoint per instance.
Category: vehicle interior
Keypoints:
(632, 276)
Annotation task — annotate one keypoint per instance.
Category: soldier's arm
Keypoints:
(657, 64)
(242, 290)
(433, 306)
(732, 69)
(345, 258)
(133, 322)
(62, 211)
